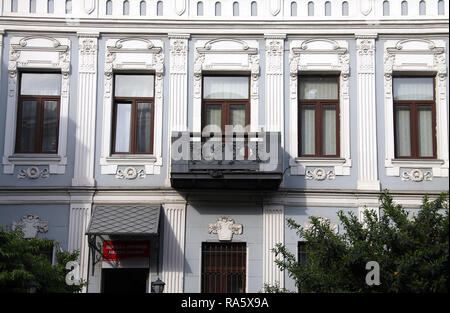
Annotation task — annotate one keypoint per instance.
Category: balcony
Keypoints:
(251, 161)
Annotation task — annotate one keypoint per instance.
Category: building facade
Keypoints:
(103, 104)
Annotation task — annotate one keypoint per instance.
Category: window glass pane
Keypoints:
(28, 126)
(302, 253)
(50, 126)
(225, 87)
(237, 114)
(308, 130)
(37, 84)
(402, 131)
(134, 86)
(214, 115)
(314, 87)
(329, 129)
(413, 88)
(144, 130)
(123, 121)
(425, 131)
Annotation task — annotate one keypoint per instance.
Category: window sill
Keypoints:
(35, 157)
(141, 158)
(320, 161)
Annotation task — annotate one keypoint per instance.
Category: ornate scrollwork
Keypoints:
(33, 172)
(225, 228)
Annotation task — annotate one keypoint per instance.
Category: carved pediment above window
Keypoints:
(30, 225)
(225, 228)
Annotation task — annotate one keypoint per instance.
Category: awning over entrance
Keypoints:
(125, 220)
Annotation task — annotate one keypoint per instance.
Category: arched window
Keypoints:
(32, 6)
(50, 6)
(386, 8)
(422, 8)
(328, 8)
(404, 8)
(126, 8)
(441, 8)
(345, 8)
(159, 8)
(254, 8)
(293, 8)
(235, 9)
(14, 5)
(218, 9)
(199, 8)
(143, 8)
(68, 6)
(310, 8)
(109, 7)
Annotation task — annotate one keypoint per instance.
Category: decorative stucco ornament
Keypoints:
(225, 228)
(33, 172)
(30, 225)
(417, 175)
(333, 227)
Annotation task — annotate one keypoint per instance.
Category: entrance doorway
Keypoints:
(124, 280)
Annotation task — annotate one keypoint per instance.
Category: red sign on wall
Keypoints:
(117, 250)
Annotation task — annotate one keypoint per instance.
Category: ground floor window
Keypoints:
(223, 267)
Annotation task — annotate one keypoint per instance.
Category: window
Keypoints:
(302, 253)
(404, 7)
(345, 8)
(254, 8)
(126, 8)
(32, 6)
(199, 8)
(310, 8)
(133, 114)
(159, 8)
(328, 8)
(414, 117)
(218, 9)
(223, 267)
(143, 8)
(50, 6)
(226, 101)
(14, 6)
(293, 8)
(235, 9)
(109, 7)
(386, 8)
(319, 116)
(68, 6)
(441, 9)
(38, 113)
(422, 8)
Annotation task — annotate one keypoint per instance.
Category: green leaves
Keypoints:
(23, 261)
(412, 250)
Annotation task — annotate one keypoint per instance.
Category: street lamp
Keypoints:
(158, 286)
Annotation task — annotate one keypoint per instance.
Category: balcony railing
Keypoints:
(242, 160)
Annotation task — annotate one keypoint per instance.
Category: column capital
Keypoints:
(88, 34)
(178, 36)
(274, 36)
(366, 35)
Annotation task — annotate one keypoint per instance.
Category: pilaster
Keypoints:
(366, 113)
(86, 109)
(173, 249)
(273, 233)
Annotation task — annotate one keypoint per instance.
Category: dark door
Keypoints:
(127, 280)
(223, 267)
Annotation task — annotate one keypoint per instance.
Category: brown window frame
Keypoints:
(225, 265)
(414, 124)
(318, 103)
(133, 123)
(226, 103)
(40, 100)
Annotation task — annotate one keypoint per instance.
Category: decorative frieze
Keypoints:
(366, 113)
(130, 173)
(225, 228)
(320, 174)
(30, 225)
(33, 172)
(417, 175)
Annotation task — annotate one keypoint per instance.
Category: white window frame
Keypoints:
(226, 55)
(320, 56)
(416, 56)
(132, 54)
(37, 53)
